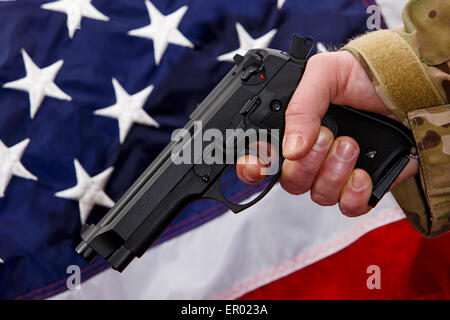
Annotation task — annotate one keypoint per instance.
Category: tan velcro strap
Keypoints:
(397, 69)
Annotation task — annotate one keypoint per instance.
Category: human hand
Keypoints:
(314, 161)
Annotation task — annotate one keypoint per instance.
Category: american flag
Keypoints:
(90, 92)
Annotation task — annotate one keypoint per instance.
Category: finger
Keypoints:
(298, 176)
(329, 77)
(266, 153)
(334, 172)
(356, 193)
(250, 169)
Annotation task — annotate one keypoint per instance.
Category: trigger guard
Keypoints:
(215, 193)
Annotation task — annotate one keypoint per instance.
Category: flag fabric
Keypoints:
(90, 92)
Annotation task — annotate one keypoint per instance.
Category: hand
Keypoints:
(314, 160)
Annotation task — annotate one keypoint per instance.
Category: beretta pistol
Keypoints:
(253, 95)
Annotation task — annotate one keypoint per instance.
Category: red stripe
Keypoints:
(412, 267)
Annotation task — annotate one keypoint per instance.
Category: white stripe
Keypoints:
(218, 258)
(392, 12)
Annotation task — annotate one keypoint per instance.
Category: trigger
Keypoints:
(215, 193)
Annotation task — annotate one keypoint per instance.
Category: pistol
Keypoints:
(254, 94)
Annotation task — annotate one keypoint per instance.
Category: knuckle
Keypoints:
(350, 210)
(353, 205)
(292, 188)
(293, 179)
(318, 59)
(327, 132)
(311, 163)
(334, 177)
(322, 199)
(323, 61)
(295, 116)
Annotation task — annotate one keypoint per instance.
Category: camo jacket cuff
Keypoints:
(431, 129)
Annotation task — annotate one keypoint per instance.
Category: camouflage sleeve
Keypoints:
(410, 70)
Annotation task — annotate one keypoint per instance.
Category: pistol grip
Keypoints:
(384, 144)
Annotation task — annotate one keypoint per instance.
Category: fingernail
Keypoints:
(249, 175)
(345, 151)
(358, 182)
(292, 142)
(323, 141)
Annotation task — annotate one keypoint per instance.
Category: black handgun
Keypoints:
(253, 95)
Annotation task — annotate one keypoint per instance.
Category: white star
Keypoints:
(38, 83)
(163, 30)
(128, 109)
(75, 10)
(280, 3)
(1, 260)
(321, 47)
(246, 42)
(10, 164)
(88, 191)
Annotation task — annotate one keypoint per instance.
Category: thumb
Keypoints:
(329, 77)
(309, 104)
